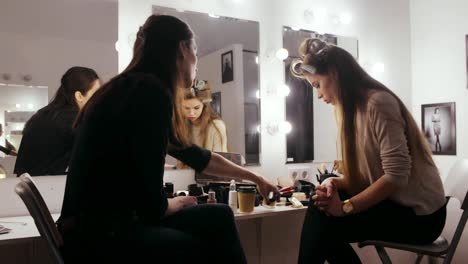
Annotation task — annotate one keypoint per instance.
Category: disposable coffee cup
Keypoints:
(246, 197)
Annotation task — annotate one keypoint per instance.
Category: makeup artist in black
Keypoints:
(114, 205)
(390, 189)
(48, 135)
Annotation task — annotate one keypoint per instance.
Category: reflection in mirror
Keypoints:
(17, 104)
(299, 103)
(228, 62)
(40, 41)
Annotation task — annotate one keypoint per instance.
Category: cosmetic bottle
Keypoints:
(233, 196)
(211, 197)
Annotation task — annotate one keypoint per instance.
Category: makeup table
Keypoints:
(271, 235)
(267, 235)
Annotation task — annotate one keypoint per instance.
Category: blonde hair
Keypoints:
(201, 90)
(353, 89)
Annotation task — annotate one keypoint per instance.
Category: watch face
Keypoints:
(347, 207)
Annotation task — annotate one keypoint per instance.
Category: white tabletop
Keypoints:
(260, 212)
(23, 227)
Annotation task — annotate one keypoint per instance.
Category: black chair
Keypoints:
(33, 200)
(456, 186)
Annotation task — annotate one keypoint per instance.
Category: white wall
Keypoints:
(232, 93)
(380, 26)
(45, 38)
(439, 69)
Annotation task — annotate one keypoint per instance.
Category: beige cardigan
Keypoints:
(215, 141)
(385, 147)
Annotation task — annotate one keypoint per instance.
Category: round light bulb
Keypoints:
(282, 54)
(18, 105)
(378, 67)
(30, 106)
(284, 127)
(257, 94)
(284, 90)
(256, 59)
(320, 14)
(345, 18)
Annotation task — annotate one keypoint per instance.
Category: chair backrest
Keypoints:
(456, 186)
(57, 237)
(42, 217)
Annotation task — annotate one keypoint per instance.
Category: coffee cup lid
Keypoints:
(246, 189)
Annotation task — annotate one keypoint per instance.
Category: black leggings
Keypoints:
(327, 238)
(199, 234)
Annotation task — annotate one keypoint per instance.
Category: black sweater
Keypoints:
(117, 164)
(47, 143)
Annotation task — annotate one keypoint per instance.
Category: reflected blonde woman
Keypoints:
(206, 128)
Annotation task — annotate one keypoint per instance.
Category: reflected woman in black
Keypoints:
(115, 207)
(48, 135)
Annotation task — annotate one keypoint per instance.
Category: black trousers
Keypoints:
(327, 238)
(199, 234)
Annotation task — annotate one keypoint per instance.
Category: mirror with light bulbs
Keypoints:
(300, 101)
(41, 40)
(228, 43)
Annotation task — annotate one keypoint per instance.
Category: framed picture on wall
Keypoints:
(227, 67)
(216, 102)
(438, 124)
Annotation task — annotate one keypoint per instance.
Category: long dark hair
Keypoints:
(155, 52)
(353, 87)
(75, 79)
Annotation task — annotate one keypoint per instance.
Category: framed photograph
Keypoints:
(216, 102)
(227, 67)
(438, 124)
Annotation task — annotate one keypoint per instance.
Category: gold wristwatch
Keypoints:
(347, 207)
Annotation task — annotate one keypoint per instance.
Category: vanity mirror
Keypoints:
(228, 62)
(299, 103)
(40, 41)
